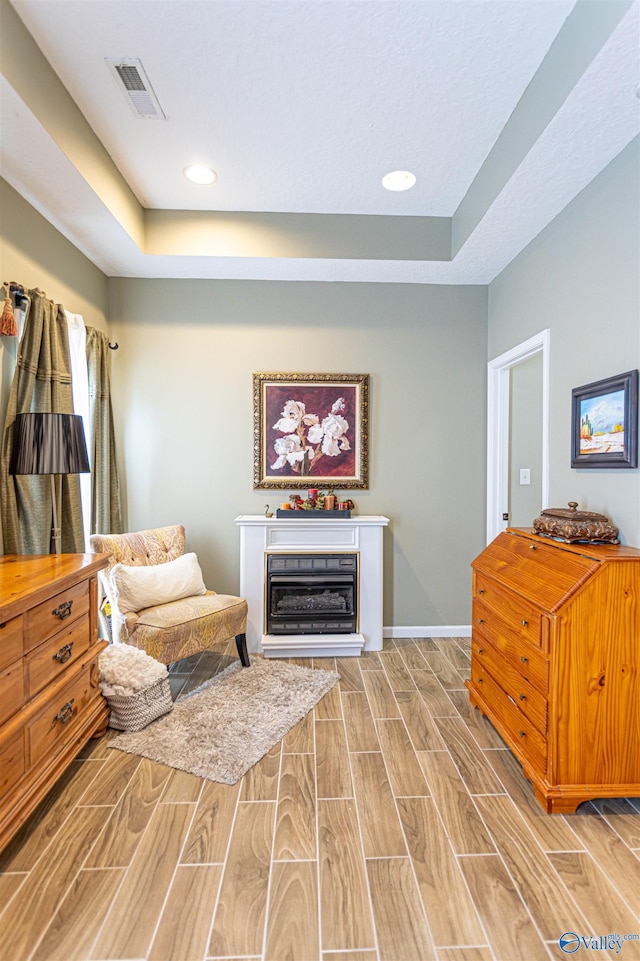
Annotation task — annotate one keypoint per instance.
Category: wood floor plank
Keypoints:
(31, 909)
(123, 831)
(411, 656)
(9, 885)
(345, 912)
(465, 954)
(350, 674)
(458, 812)
(76, 923)
(295, 837)
(361, 730)
(260, 783)
(381, 699)
(369, 661)
(113, 780)
(450, 910)
(433, 694)
(398, 674)
(551, 833)
(350, 956)
(598, 900)
(182, 786)
(210, 831)
(398, 914)
(300, 739)
(424, 644)
(476, 771)
(185, 923)
(131, 921)
(623, 817)
(405, 773)
(482, 730)
(419, 722)
(459, 660)
(32, 839)
(329, 707)
(530, 869)
(443, 670)
(293, 930)
(611, 854)
(238, 927)
(381, 832)
(505, 918)
(332, 760)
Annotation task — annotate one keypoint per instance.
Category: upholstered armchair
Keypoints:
(158, 599)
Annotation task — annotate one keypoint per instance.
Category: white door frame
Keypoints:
(498, 428)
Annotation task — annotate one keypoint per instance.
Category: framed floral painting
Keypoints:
(310, 430)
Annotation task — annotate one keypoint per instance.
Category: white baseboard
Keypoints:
(456, 630)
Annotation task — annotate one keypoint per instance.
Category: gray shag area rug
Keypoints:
(221, 729)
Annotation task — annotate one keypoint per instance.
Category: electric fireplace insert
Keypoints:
(312, 594)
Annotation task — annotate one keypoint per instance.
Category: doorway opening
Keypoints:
(499, 429)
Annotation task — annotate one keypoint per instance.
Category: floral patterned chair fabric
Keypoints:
(179, 628)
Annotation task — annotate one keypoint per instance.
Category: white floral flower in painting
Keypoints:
(293, 415)
(289, 449)
(334, 427)
(315, 433)
(338, 406)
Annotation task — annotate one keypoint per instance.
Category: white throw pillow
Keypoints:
(136, 588)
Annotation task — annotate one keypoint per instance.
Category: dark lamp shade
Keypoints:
(49, 444)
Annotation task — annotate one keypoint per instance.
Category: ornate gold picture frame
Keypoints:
(311, 431)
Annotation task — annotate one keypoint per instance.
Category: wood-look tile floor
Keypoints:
(390, 824)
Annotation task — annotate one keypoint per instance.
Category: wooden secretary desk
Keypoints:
(555, 662)
(50, 699)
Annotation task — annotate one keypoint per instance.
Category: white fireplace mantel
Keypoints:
(260, 535)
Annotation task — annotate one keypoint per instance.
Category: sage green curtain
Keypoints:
(41, 384)
(106, 509)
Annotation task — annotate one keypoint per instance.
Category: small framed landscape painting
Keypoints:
(310, 430)
(604, 422)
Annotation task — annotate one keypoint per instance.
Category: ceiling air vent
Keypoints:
(135, 85)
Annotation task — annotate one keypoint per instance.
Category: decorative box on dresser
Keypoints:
(555, 662)
(50, 700)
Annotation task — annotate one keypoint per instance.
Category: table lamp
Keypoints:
(49, 444)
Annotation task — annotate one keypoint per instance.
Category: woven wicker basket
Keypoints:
(135, 711)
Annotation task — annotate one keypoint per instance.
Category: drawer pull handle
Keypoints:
(481, 590)
(524, 623)
(481, 650)
(522, 733)
(533, 547)
(524, 659)
(63, 610)
(64, 653)
(481, 620)
(65, 713)
(522, 697)
(478, 680)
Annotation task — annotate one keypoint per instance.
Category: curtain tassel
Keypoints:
(8, 325)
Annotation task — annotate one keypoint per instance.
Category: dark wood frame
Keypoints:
(628, 382)
(269, 386)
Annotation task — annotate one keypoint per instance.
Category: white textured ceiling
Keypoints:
(302, 105)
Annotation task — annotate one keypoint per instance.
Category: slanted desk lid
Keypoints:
(573, 526)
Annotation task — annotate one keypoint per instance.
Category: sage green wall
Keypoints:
(35, 254)
(183, 385)
(581, 279)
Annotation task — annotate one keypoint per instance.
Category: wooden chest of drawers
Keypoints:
(555, 663)
(50, 701)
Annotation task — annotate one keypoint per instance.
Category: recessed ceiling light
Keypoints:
(398, 180)
(200, 174)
